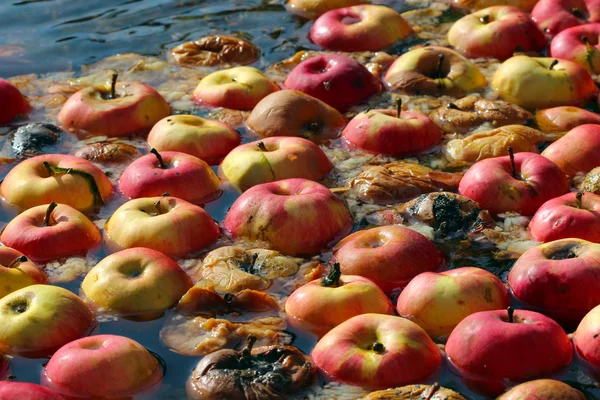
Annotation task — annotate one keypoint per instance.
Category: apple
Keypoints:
(293, 113)
(218, 50)
(474, 5)
(51, 231)
(496, 32)
(416, 392)
(13, 102)
(37, 320)
(294, 216)
(553, 16)
(377, 351)
(392, 132)
(542, 389)
(521, 79)
(437, 302)
(61, 178)
(359, 28)
(17, 272)
(26, 391)
(166, 224)
(389, 255)
(579, 44)
(434, 70)
(102, 366)
(488, 349)
(335, 79)
(519, 183)
(311, 9)
(577, 151)
(206, 139)
(121, 109)
(274, 159)
(179, 174)
(239, 88)
(343, 296)
(563, 119)
(585, 339)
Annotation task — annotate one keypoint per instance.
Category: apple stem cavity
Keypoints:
(378, 347)
(553, 64)
(398, 107)
(17, 261)
(485, 19)
(578, 198)
(48, 217)
(261, 146)
(511, 313)
(55, 170)
(161, 163)
(158, 207)
(511, 154)
(333, 278)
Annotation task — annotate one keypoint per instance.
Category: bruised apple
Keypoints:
(543, 389)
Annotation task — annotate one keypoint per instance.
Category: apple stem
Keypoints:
(261, 146)
(511, 313)
(439, 66)
(398, 107)
(378, 347)
(485, 19)
(553, 64)
(228, 297)
(113, 84)
(434, 388)
(586, 41)
(511, 154)
(332, 279)
(47, 218)
(53, 170)
(17, 261)
(578, 198)
(246, 351)
(159, 157)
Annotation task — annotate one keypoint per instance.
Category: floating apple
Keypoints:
(218, 50)
(579, 44)
(543, 389)
(13, 102)
(563, 119)
(585, 339)
(553, 16)
(577, 151)
(17, 272)
(311, 9)
(474, 5)
(26, 391)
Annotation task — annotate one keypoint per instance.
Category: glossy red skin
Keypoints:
(587, 338)
(400, 255)
(577, 151)
(487, 349)
(12, 102)
(335, 79)
(509, 29)
(560, 218)
(490, 183)
(563, 289)
(185, 176)
(553, 16)
(315, 217)
(411, 133)
(26, 391)
(569, 45)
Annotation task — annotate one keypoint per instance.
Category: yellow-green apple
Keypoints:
(37, 320)
(16, 271)
(102, 367)
(239, 88)
(585, 339)
(521, 79)
(135, 282)
(273, 159)
(520, 183)
(579, 44)
(553, 16)
(390, 255)
(474, 5)
(295, 216)
(392, 132)
(343, 296)
(543, 389)
(496, 32)
(114, 109)
(437, 302)
(359, 28)
(26, 391)
(335, 79)
(573, 215)
(563, 119)
(61, 178)
(293, 113)
(577, 151)
(311, 9)
(51, 231)
(179, 174)
(12, 101)
(489, 349)
(206, 139)
(434, 70)
(377, 351)
(166, 224)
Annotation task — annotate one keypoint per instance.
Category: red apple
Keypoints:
(586, 340)
(12, 102)
(563, 119)
(26, 391)
(17, 272)
(542, 389)
(377, 351)
(579, 44)
(553, 16)
(577, 151)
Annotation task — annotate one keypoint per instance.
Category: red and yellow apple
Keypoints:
(17, 272)
(554, 16)
(580, 44)
(474, 5)
(585, 339)
(577, 151)
(311, 9)
(563, 119)
(26, 391)
(542, 389)
(12, 101)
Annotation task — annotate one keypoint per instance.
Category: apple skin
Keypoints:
(346, 352)
(135, 282)
(563, 119)
(496, 32)
(390, 255)
(383, 132)
(238, 88)
(542, 389)
(328, 76)
(19, 275)
(520, 79)
(183, 176)
(487, 350)
(37, 320)
(137, 107)
(570, 45)
(490, 183)
(560, 218)
(176, 228)
(585, 339)
(296, 216)
(13, 102)
(30, 184)
(374, 28)
(26, 391)
(554, 16)
(311, 9)
(577, 151)
(277, 158)
(102, 366)
(70, 233)
(437, 302)
(474, 5)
